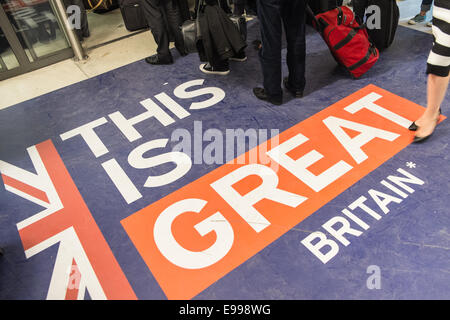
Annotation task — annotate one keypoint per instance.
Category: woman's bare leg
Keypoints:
(436, 90)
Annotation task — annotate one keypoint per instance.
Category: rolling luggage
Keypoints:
(133, 15)
(347, 40)
(383, 35)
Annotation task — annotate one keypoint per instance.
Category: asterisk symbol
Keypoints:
(410, 165)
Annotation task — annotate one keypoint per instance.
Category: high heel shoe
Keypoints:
(422, 139)
(414, 126)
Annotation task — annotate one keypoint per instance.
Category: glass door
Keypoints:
(31, 36)
(8, 59)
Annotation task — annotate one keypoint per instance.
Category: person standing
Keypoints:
(438, 70)
(420, 17)
(271, 15)
(164, 18)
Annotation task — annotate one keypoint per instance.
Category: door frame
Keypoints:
(25, 65)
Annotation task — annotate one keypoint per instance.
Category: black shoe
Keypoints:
(414, 126)
(156, 60)
(422, 139)
(296, 93)
(241, 57)
(207, 68)
(261, 94)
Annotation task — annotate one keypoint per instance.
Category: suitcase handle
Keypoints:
(313, 16)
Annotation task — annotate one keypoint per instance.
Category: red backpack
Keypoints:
(347, 40)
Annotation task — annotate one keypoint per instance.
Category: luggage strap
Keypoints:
(340, 16)
(346, 40)
(349, 37)
(363, 60)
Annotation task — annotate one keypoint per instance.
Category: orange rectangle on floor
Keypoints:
(199, 233)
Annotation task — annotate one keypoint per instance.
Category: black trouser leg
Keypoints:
(271, 14)
(174, 22)
(224, 6)
(157, 24)
(293, 14)
(269, 17)
(250, 6)
(239, 6)
(359, 7)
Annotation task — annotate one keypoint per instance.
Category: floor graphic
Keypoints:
(175, 185)
(246, 215)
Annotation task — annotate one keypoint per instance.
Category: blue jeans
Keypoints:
(426, 5)
(272, 14)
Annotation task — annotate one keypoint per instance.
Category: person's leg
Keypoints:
(436, 91)
(249, 7)
(269, 17)
(174, 22)
(155, 19)
(225, 7)
(239, 6)
(438, 70)
(197, 3)
(293, 13)
(424, 8)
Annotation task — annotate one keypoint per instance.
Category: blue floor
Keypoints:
(410, 245)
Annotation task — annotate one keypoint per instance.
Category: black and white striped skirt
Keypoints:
(439, 60)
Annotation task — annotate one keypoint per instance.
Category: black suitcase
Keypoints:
(389, 18)
(133, 15)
